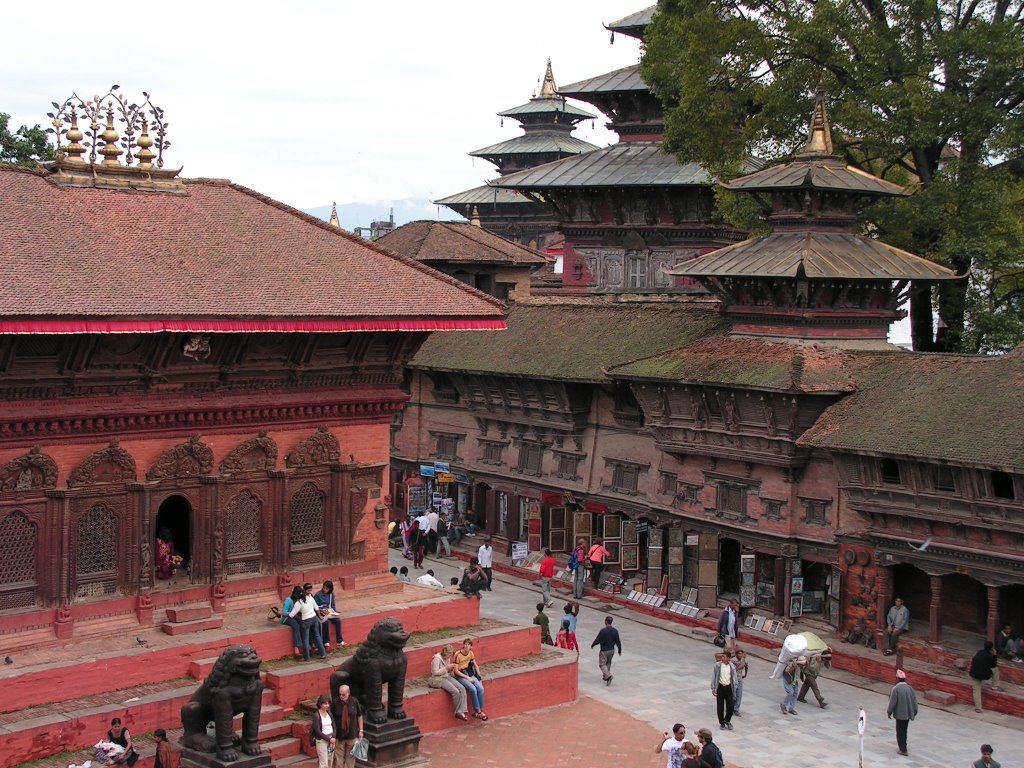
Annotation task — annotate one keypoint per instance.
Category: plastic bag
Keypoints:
(361, 749)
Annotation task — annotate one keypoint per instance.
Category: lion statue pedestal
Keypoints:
(233, 687)
(394, 738)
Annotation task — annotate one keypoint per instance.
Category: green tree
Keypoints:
(914, 82)
(25, 146)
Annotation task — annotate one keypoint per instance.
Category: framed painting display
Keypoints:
(833, 582)
(629, 534)
(557, 518)
(747, 596)
(796, 606)
(746, 563)
(612, 526)
(582, 525)
(797, 585)
(798, 567)
(747, 579)
(833, 612)
(556, 541)
(613, 548)
(759, 623)
(691, 595)
(630, 557)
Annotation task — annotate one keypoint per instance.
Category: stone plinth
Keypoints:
(192, 759)
(394, 744)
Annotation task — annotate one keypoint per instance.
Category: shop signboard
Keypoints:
(444, 477)
(426, 471)
(520, 549)
(417, 499)
(442, 466)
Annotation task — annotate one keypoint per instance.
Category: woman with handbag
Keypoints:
(441, 669)
(324, 730)
(595, 561)
(467, 674)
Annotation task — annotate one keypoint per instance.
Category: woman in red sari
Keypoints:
(165, 559)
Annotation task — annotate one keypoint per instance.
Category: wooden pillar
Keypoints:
(934, 610)
(884, 586)
(992, 625)
(280, 541)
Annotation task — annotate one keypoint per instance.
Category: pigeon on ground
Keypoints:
(8, 660)
(140, 641)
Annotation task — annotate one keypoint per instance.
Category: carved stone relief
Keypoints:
(321, 448)
(189, 459)
(33, 470)
(255, 454)
(113, 464)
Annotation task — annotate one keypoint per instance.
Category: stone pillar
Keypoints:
(934, 610)
(992, 624)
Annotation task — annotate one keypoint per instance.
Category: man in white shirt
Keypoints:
(429, 580)
(486, 557)
(671, 742)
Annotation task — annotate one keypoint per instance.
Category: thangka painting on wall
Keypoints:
(582, 523)
(612, 526)
(629, 535)
(630, 557)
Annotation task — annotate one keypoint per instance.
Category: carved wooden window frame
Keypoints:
(568, 464)
(446, 444)
(816, 511)
(19, 577)
(530, 460)
(492, 451)
(626, 476)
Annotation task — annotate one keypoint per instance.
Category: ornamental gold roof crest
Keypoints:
(92, 137)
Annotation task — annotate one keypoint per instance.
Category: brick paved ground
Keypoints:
(588, 733)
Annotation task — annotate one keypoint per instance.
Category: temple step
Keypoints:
(189, 613)
(185, 627)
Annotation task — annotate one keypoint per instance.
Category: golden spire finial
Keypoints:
(145, 155)
(110, 150)
(474, 218)
(819, 133)
(335, 221)
(548, 88)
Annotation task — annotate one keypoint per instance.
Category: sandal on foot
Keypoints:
(479, 713)
(461, 716)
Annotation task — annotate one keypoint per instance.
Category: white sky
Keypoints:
(310, 102)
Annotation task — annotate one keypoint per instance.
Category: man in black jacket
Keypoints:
(984, 667)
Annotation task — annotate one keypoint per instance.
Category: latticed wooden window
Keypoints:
(243, 530)
(307, 518)
(96, 552)
(18, 564)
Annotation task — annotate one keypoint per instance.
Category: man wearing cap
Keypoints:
(986, 761)
(902, 708)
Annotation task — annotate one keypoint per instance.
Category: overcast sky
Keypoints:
(311, 102)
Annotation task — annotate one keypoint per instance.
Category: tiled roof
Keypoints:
(818, 254)
(570, 340)
(543, 106)
(94, 259)
(635, 23)
(537, 143)
(430, 241)
(625, 79)
(960, 408)
(633, 164)
(486, 195)
(825, 173)
(753, 363)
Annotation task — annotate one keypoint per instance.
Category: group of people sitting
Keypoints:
(458, 673)
(118, 749)
(311, 617)
(432, 531)
(337, 730)
(473, 581)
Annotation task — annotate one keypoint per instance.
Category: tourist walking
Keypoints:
(902, 709)
(811, 673)
(729, 625)
(324, 731)
(442, 537)
(608, 640)
(897, 621)
(485, 556)
(596, 556)
(576, 559)
(671, 745)
(984, 667)
(542, 621)
(740, 662)
(569, 613)
(723, 677)
(547, 573)
(348, 716)
(986, 761)
(791, 683)
(710, 754)
(566, 638)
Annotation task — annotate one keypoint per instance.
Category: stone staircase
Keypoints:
(183, 620)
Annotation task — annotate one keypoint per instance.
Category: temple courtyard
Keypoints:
(663, 677)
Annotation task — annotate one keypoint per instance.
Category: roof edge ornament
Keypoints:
(819, 132)
(548, 90)
(90, 157)
(334, 220)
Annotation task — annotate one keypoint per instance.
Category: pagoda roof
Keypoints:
(536, 143)
(815, 166)
(814, 254)
(451, 241)
(967, 409)
(554, 105)
(581, 338)
(216, 257)
(631, 164)
(634, 24)
(625, 79)
(486, 195)
(752, 363)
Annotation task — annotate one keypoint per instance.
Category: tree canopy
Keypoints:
(25, 146)
(926, 93)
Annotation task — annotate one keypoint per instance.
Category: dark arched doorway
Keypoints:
(729, 568)
(175, 517)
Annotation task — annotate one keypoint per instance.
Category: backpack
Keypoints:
(574, 561)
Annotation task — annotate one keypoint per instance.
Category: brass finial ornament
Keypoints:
(548, 89)
(474, 217)
(106, 141)
(335, 221)
(819, 133)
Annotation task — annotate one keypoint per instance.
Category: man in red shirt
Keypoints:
(547, 572)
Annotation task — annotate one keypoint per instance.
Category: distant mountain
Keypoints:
(352, 215)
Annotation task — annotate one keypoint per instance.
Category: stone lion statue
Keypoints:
(233, 687)
(379, 660)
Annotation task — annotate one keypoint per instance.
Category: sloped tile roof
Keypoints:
(571, 341)
(632, 164)
(753, 363)
(625, 79)
(960, 408)
(543, 106)
(819, 254)
(94, 259)
(457, 242)
(635, 23)
(537, 143)
(486, 195)
(825, 173)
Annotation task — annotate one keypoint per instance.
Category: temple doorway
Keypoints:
(729, 568)
(174, 518)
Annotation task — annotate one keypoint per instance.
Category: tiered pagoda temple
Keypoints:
(548, 121)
